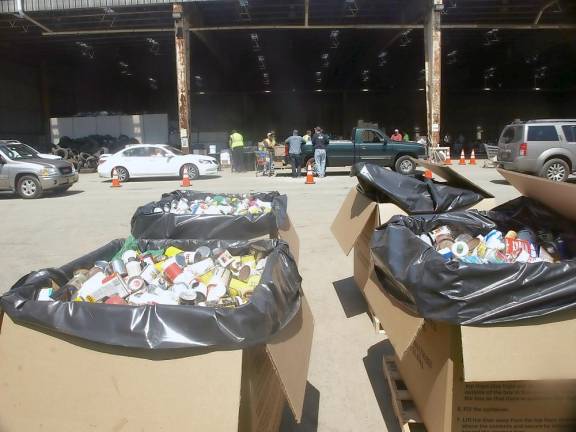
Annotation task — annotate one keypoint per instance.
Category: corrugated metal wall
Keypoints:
(10, 6)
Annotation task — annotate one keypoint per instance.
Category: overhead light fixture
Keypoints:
(421, 89)
(261, 62)
(334, 42)
(325, 60)
(537, 88)
(255, 42)
(365, 75)
(267, 91)
(488, 74)
(198, 81)
(351, 8)
(153, 83)
(244, 11)
(405, 39)
(491, 37)
(487, 89)
(365, 89)
(452, 57)
(318, 90)
(86, 50)
(318, 77)
(382, 58)
(539, 74)
(201, 92)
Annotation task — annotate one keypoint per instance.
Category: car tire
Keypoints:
(556, 170)
(122, 172)
(193, 171)
(29, 187)
(404, 165)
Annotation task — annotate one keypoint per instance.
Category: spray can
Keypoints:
(119, 267)
(217, 286)
(133, 268)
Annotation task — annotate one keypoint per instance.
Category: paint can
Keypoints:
(129, 255)
(133, 268)
(172, 271)
(202, 253)
(103, 265)
(136, 284)
(216, 288)
(238, 288)
(149, 273)
(118, 267)
(188, 298)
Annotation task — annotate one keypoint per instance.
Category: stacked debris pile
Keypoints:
(83, 153)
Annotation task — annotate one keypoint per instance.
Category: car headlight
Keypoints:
(205, 161)
(49, 172)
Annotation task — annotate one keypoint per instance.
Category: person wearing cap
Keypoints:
(295, 143)
(320, 141)
(396, 136)
(236, 144)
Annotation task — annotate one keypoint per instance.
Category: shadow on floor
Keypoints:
(309, 421)
(500, 182)
(152, 179)
(350, 297)
(374, 369)
(45, 195)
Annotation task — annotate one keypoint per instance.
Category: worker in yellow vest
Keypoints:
(236, 144)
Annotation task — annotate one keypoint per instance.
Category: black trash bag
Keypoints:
(413, 194)
(275, 301)
(418, 277)
(149, 225)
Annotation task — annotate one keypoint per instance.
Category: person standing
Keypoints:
(460, 144)
(236, 144)
(396, 136)
(308, 137)
(295, 143)
(269, 144)
(320, 142)
(406, 137)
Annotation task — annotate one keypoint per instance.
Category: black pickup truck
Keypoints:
(370, 145)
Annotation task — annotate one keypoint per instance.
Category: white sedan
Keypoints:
(155, 160)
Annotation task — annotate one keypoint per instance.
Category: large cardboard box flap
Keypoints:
(560, 197)
(288, 233)
(453, 178)
(290, 354)
(536, 349)
(401, 327)
(356, 211)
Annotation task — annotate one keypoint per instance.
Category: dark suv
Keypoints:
(546, 148)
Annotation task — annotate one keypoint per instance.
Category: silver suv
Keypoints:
(546, 148)
(22, 170)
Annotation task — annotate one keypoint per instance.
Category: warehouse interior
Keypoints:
(261, 65)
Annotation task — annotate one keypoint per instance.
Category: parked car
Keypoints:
(155, 160)
(370, 145)
(33, 150)
(22, 171)
(546, 148)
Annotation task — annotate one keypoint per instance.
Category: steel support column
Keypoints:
(182, 39)
(433, 56)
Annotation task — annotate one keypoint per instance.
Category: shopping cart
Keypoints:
(491, 156)
(264, 165)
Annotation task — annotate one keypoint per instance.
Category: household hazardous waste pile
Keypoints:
(204, 277)
(495, 247)
(240, 205)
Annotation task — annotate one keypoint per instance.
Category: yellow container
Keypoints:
(172, 251)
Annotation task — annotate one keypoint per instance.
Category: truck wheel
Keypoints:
(29, 187)
(556, 170)
(404, 165)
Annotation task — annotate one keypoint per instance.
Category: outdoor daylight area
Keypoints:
(288, 215)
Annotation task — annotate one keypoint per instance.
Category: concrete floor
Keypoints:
(346, 389)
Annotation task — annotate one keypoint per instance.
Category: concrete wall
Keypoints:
(21, 109)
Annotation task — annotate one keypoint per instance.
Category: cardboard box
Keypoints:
(55, 383)
(509, 377)
(359, 216)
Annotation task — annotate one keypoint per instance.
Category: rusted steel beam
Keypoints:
(182, 73)
(433, 56)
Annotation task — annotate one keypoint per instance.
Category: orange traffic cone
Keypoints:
(309, 175)
(448, 161)
(428, 174)
(472, 158)
(115, 179)
(185, 178)
(462, 158)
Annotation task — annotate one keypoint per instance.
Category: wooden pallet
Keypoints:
(404, 407)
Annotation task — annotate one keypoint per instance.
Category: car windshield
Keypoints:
(18, 151)
(174, 150)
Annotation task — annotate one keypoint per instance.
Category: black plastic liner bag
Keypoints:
(273, 304)
(422, 281)
(413, 194)
(148, 224)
